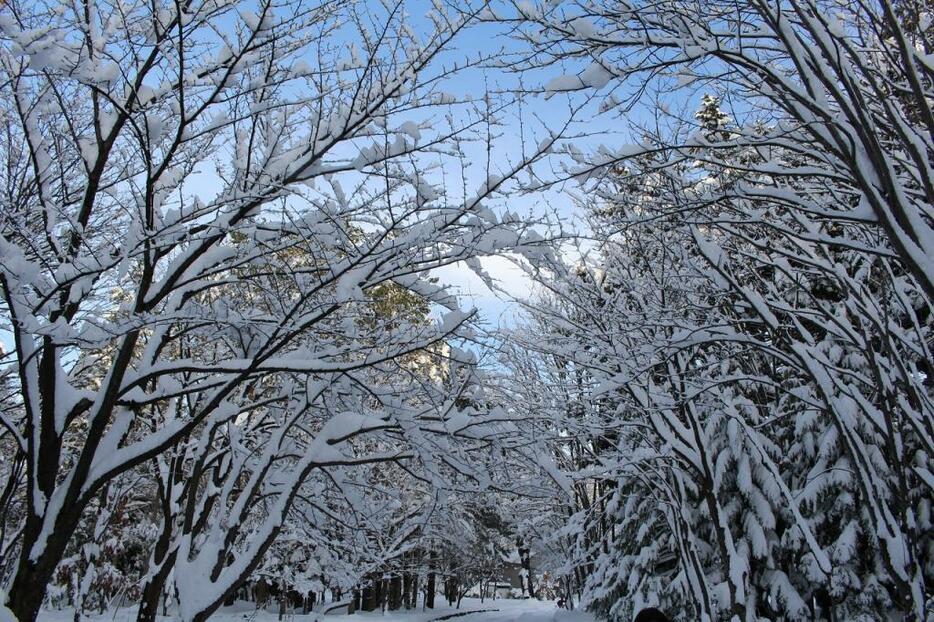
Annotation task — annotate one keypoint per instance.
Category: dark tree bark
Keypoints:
(371, 596)
(395, 593)
(153, 591)
(407, 590)
(451, 590)
(431, 587)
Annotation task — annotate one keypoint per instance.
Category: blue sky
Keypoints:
(539, 115)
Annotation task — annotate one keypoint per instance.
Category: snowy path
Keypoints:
(500, 610)
(522, 611)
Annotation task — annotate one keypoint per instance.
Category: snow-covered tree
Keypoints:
(198, 199)
(786, 373)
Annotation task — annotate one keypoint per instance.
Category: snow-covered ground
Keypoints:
(500, 610)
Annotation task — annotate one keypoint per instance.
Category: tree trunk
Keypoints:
(368, 598)
(395, 593)
(153, 591)
(407, 590)
(165, 602)
(450, 590)
(430, 588)
(525, 557)
(29, 585)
